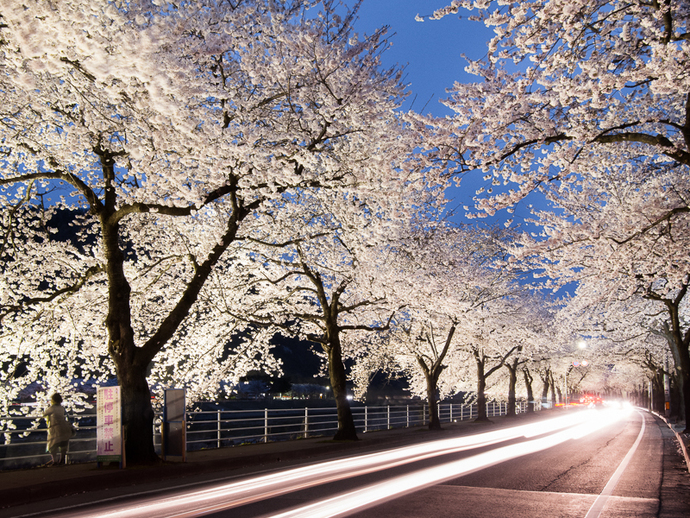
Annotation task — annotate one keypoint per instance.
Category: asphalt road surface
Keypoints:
(588, 463)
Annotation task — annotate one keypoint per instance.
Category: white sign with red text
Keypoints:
(108, 424)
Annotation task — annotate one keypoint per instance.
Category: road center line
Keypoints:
(603, 498)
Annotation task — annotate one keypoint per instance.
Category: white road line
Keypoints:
(516, 492)
(601, 501)
(640, 499)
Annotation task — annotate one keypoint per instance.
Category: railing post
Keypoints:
(306, 422)
(388, 417)
(265, 424)
(366, 418)
(407, 416)
(424, 415)
(218, 428)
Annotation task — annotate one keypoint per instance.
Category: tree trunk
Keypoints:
(545, 390)
(132, 362)
(137, 415)
(683, 380)
(658, 392)
(431, 392)
(481, 387)
(512, 369)
(530, 392)
(336, 371)
(432, 373)
(679, 343)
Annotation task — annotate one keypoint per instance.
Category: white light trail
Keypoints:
(235, 494)
(375, 494)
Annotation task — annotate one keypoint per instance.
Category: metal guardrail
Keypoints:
(23, 438)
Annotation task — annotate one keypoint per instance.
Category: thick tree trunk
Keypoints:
(336, 371)
(530, 392)
(137, 415)
(679, 343)
(431, 391)
(481, 387)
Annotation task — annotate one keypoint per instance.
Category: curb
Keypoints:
(680, 440)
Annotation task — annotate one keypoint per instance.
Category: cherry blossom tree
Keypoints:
(530, 331)
(446, 275)
(328, 283)
(316, 288)
(422, 350)
(586, 104)
(489, 339)
(177, 130)
(630, 337)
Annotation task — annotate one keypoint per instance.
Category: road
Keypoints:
(585, 463)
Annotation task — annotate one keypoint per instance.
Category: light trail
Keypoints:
(375, 494)
(236, 494)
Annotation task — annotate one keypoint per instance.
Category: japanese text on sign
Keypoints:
(108, 424)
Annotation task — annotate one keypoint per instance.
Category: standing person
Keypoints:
(59, 430)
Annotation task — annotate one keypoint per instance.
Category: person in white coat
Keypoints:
(59, 431)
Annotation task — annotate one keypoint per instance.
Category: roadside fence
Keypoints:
(23, 443)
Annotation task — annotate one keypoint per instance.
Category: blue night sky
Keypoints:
(431, 51)
(432, 55)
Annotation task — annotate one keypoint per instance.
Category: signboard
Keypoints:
(174, 424)
(109, 440)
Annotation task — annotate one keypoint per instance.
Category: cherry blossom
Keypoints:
(163, 137)
(580, 108)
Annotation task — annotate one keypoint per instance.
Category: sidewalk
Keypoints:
(675, 487)
(30, 486)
